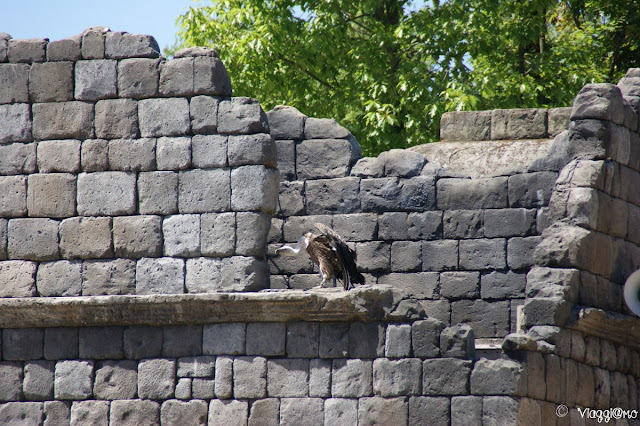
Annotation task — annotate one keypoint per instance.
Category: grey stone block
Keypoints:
(601, 101)
(509, 222)
(117, 118)
(38, 380)
(93, 42)
(204, 114)
(436, 410)
(393, 226)
(3, 239)
(224, 377)
(374, 256)
(60, 343)
(356, 227)
(19, 277)
(217, 234)
(137, 236)
(460, 285)
(252, 149)
(106, 193)
(483, 254)
(101, 342)
(445, 376)
(17, 122)
(497, 409)
(51, 82)
(108, 277)
(265, 412)
(518, 123)
(366, 340)
(21, 344)
(396, 377)
(176, 77)
(17, 158)
(162, 275)
(210, 76)
(177, 413)
(120, 45)
(388, 194)
(286, 122)
(241, 116)
(330, 196)
(95, 79)
(406, 256)
(502, 285)
(56, 413)
(132, 154)
(93, 155)
(288, 377)
(439, 255)
(134, 413)
(27, 50)
(294, 411)
(89, 412)
(11, 375)
(202, 388)
(341, 411)
(466, 409)
(324, 158)
(27, 413)
(181, 235)
(33, 239)
(488, 319)
(286, 157)
(14, 200)
(458, 341)
(324, 128)
(425, 337)
(351, 378)
(14, 83)
(51, 195)
(531, 189)
(199, 366)
(224, 339)
(302, 340)
(401, 163)
(209, 151)
(142, 342)
(320, 378)
(558, 120)
(73, 380)
(424, 225)
(266, 339)
(178, 341)
(520, 251)
(496, 377)
(156, 378)
(164, 117)
(463, 224)
(228, 412)
(334, 340)
(291, 198)
(61, 278)
(204, 191)
(66, 49)
(251, 233)
(59, 156)
(384, 411)
(63, 120)
(138, 78)
(116, 380)
(481, 193)
(249, 377)
(158, 193)
(465, 125)
(86, 237)
(295, 226)
(398, 341)
(203, 275)
(254, 188)
(173, 153)
(4, 42)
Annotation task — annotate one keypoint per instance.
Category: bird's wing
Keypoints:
(343, 253)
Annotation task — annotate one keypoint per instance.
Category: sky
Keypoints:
(57, 19)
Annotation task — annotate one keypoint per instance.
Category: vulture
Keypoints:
(332, 255)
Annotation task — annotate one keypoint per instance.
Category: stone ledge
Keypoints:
(613, 326)
(366, 303)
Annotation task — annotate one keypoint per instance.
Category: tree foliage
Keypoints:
(387, 69)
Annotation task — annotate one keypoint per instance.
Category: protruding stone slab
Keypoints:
(121, 45)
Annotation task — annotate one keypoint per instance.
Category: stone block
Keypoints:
(509, 222)
(117, 118)
(458, 341)
(59, 156)
(14, 200)
(398, 341)
(330, 196)
(93, 42)
(601, 101)
(366, 340)
(497, 409)
(266, 339)
(463, 224)
(483, 254)
(228, 412)
(51, 195)
(224, 377)
(17, 158)
(66, 49)
(295, 226)
(173, 153)
(86, 238)
(368, 167)
(294, 411)
(324, 128)
(424, 225)
(60, 343)
(288, 377)
(199, 366)
(164, 275)
(518, 123)
(496, 377)
(21, 413)
(460, 285)
(134, 412)
(445, 376)
(406, 256)
(224, 339)
(56, 413)
(21, 344)
(176, 77)
(142, 342)
(204, 114)
(252, 149)
(302, 340)
(531, 189)
(95, 79)
(388, 194)
(73, 380)
(374, 256)
(158, 192)
(286, 158)
(251, 233)
(396, 377)
(17, 125)
(156, 378)
(210, 77)
(602, 388)
(179, 341)
(319, 378)
(558, 120)
(254, 188)
(425, 336)
(116, 380)
(138, 78)
(27, 50)
(33, 239)
(502, 285)
(89, 412)
(393, 226)
(286, 122)
(203, 275)
(132, 154)
(4, 42)
(137, 236)
(325, 158)
(204, 191)
(465, 125)
(351, 378)
(11, 375)
(217, 234)
(209, 151)
(356, 227)
(249, 377)
(341, 411)
(106, 193)
(291, 199)
(384, 411)
(61, 278)
(488, 319)
(14, 83)
(19, 278)
(202, 388)
(265, 412)
(3, 239)
(241, 116)
(178, 413)
(466, 409)
(439, 255)
(121, 45)
(401, 163)
(436, 410)
(164, 117)
(520, 251)
(93, 155)
(101, 342)
(108, 277)
(181, 235)
(51, 82)
(481, 193)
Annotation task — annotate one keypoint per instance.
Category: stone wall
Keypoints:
(122, 172)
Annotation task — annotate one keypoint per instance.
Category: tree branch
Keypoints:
(306, 71)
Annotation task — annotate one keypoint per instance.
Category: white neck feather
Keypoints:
(302, 244)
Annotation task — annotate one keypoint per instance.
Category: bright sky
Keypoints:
(57, 19)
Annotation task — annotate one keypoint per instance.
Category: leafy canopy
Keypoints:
(387, 69)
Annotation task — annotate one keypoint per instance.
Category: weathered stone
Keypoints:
(27, 50)
(396, 377)
(138, 78)
(134, 413)
(89, 412)
(499, 409)
(156, 378)
(93, 155)
(173, 153)
(14, 83)
(439, 255)
(132, 154)
(483, 254)
(17, 158)
(374, 256)
(254, 188)
(341, 411)
(288, 377)
(217, 234)
(229, 412)
(286, 122)
(158, 193)
(16, 119)
(291, 199)
(366, 340)
(319, 378)
(182, 340)
(93, 42)
(116, 380)
(294, 411)
(324, 128)
(458, 342)
(398, 341)
(142, 342)
(20, 344)
(252, 149)
(393, 226)
(163, 275)
(60, 120)
(137, 236)
(117, 118)
(520, 251)
(60, 343)
(3, 239)
(327, 196)
(465, 125)
(33, 239)
(199, 366)
(209, 151)
(203, 275)
(164, 117)
(178, 413)
(67, 49)
(435, 409)
(496, 377)
(509, 222)
(599, 101)
(100, 342)
(51, 195)
(406, 256)
(519, 123)
(249, 377)
(224, 339)
(425, 336)
(59, 156)
(558, 120)
(11, 375)
(204, 191)
(502, 285)
(383, 411)
(73, 379)
(224, 377)
(251, 233)
(266, 339)
(356, 227)
(14, 200)
(401, 163)
(51, 82)
(176, 77)
(204, 114)
(86, 237)
(210, 76)
(388, 194)
(61, 278)
(325, 158)
(108, 277)
(95, 79)
(480, 193)
(56, 413)
(368, 167)
(488, 319)
(445, 376)
(302, 340)
(120, 45)
(265, 412)
(241, 116)
(181, 235)
(351, 378)
(106, 193)
(22, 413)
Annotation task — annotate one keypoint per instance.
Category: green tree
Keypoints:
(387, 69)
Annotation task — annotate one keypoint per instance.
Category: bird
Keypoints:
(330, 252)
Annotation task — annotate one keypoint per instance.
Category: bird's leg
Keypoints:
(323, 276)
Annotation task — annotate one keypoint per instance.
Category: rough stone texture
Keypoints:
(27, 50)
(156, 378)
(396, 378)
(324, 158)
(173, 153)
(377, 410)
(95, 79)
(17, 123)
(224, 339)
(117, 118)
(73, 379)
(119, 45)
(134, 413)
(51, 82)
(138, 78)
(17, 158)
(89, 412)
(210, 76)
(15, 83)
(159, 276)
(177, 413)
(286, 122)
(33, 239)
(158, 193)
(204, 191)
(51, 195)
(241, 116)
(229, 412)
(164, 117)
(108, 277)
(67, 49)
(116, 380)
(137, 236)
(28, 413)
(106, 193)
(351, 378)
(19, 278)
(204, 114)
(218, 234)
(203, 275)
(142, 342)
(61, 278)
(86, 238)
(465, 125)
(250, 377)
